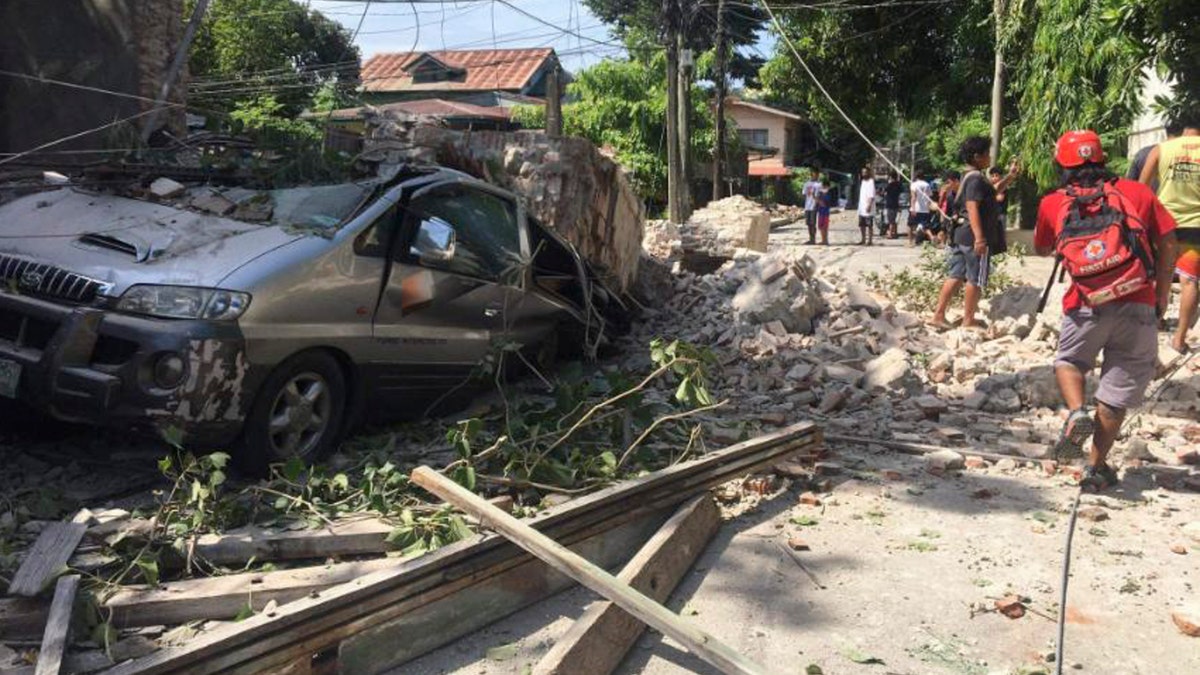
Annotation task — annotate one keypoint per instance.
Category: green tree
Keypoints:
(1168, 34)
(882, 64)
(246, 49)
(622, 104)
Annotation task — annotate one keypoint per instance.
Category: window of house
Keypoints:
(468, 232)
(754, 137)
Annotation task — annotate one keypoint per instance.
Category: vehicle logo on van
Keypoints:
(31, 279)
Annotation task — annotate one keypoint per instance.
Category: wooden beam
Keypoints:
(355, 537)
(217, 598)
(598, 642)
(694, 639)
(47, 558)
(431, 625)
(58, 625)
(316, 624)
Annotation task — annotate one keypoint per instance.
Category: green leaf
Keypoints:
(293, 469)
(244, 613)
(281, 503)
(502, 653)
(341, 481)
(217, 478)
(813, 669)
(459, 529)
(219, 459)
(465, 476)
(149, 568)
(165, 465)
(104, 635)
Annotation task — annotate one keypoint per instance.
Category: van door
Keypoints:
(455, 263)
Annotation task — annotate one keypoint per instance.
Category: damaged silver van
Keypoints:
(271, 321)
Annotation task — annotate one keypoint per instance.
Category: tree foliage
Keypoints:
(622, 105)
(246, 49)
(881, 64)
(1168, 34)
(1071, 68)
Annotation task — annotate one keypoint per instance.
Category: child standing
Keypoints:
(824, 204)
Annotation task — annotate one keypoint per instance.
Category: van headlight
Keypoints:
(184, 302)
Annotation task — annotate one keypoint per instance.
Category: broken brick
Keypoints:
(976, 463)
(810, 499)
(798, 544)
(890, 474)
(1095, 514)
(1011, 606)
(983, 493)
(1049, 466)
(1179, 549)
(1187, 620)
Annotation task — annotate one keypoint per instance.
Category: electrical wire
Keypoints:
(87, 132)
(788, 40)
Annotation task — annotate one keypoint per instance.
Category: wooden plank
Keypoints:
(356, 537)
(54, 640)
(22, 618)
(176, 602)
(451, 617)
(317, 624)
(693, 638)
(47, 558)
(598, 642)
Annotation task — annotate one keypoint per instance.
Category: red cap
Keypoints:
(1075, 148)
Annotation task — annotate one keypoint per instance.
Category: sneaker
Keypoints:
(1097, 478)
(1078, 428)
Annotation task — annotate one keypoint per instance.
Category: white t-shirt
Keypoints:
(811, 189)
(920, 192)
(866, 197)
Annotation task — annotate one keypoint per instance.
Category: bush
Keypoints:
(918, 285)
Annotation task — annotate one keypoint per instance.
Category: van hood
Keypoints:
(120, 241)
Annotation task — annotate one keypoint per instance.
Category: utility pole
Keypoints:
(719, 145)
(997, 84)
(671, 22)
(176, 65)
(554, 118)
(686, 63)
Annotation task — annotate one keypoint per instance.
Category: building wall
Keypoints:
(1147, 128)
(119, 45)
(777, 130)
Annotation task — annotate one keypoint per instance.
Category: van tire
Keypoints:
(298, 412)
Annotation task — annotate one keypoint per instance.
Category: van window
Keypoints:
(467, 232)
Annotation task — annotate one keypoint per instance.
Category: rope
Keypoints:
(1062, 598)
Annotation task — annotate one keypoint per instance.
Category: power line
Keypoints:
(88, 132)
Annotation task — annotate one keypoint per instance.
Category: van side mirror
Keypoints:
(435, 241)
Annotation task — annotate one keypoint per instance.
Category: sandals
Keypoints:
(1097, 478)
(1078, 428)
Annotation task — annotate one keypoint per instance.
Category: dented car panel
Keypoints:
(407, 286)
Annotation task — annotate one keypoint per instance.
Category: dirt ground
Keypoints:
(906, 567)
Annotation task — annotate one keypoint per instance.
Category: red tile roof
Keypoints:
(486, 69)
(430, 107)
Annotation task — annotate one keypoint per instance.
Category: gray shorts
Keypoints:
(964, 264)
(1127, 333)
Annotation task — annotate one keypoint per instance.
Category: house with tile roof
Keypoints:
(479, 77)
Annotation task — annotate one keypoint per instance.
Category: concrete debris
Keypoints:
(725, 225)
(1187, 619)
(1011, 606)
(165, 188)
(943, 461)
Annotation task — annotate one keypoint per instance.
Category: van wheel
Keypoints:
(298, 413)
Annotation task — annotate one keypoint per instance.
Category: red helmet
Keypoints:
(1075, 148)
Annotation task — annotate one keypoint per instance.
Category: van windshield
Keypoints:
(318, 207)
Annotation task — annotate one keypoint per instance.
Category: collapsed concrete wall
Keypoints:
(566, 183)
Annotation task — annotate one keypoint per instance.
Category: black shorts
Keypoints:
(865, 221)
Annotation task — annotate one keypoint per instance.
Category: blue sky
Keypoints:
(391, 27)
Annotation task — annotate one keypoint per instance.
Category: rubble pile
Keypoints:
(793, 345)
(723, 226)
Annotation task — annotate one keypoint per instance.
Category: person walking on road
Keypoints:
(1175, 164)
(812, 189)
(891, 202)
(1096, 221)
(866, 207)
(975, 234)
(919, 202)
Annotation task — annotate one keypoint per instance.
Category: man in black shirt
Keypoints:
(891, 201)
(975, 234)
